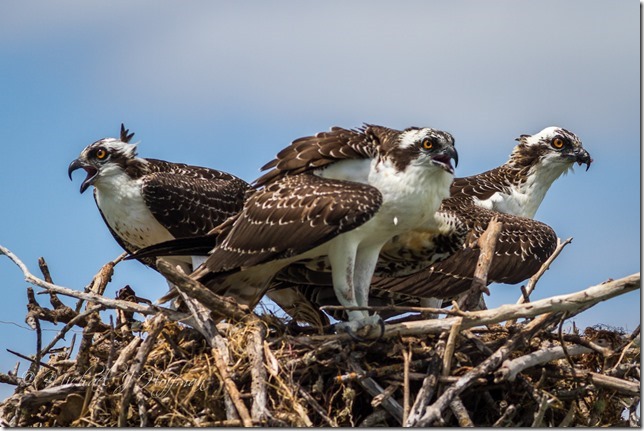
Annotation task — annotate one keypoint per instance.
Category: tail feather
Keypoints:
(193, 246)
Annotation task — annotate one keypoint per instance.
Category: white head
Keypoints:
(552, 148)
(106, 157)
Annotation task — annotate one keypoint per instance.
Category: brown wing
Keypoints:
(291, 216)
(324, 148)
(191, 200)
(522, 247)
(484, 185)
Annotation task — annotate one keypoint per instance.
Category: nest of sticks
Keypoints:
(509, 366)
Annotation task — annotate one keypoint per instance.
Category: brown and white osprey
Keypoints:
(511, 192)
(518, 186)
(147, 201)
(335, 198)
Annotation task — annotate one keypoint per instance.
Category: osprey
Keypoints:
(516, 190)
(511, 192)
(519, 186)
(147, 201)
(336, 197)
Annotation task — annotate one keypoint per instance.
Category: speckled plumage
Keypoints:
(340, 194)
(511, 192)
(147, 201)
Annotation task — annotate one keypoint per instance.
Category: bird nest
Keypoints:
(510, 366)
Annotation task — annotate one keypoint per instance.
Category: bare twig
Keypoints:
(506, 416)
(109, 303)
(137, 366)
(125, 356)
(100, 280)
(406, 360)
(318, 408)
(374, 389)
(430, 384)
(451, 345)
(20, 355)
(231, 388)
(225, 306)
(70, 325)
(395, 308)
(255, 349)
(470, 299)
(434, 412)
(622, 386)
(567, 420)
(538, 417)
(144, 420)
(38, 398)
(571, 302)
(532, 283)
(460, 412)
(222, 346)
(510, 369)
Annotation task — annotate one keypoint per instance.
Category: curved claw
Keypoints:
(369, 323)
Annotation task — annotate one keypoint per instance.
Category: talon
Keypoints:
(361, 325)
(382, 329)
(355, 336)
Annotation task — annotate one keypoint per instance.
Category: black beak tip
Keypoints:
(74, 165)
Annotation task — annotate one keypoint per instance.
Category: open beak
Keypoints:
(444, 159)
(92, 172)
(582, 156)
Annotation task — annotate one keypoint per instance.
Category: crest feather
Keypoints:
(125, 135)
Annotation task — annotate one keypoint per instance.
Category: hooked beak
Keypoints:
(92, 172)
(582, 156)
(443, 159)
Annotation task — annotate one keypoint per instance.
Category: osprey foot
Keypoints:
(371, 328)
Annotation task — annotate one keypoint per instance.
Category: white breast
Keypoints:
(120, 200)
(411, 198)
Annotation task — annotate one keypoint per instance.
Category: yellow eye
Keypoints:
(558, 143)
(101, 154)
(427, 144)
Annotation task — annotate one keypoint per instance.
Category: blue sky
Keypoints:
(228, 84)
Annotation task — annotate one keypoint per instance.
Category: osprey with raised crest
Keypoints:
(147, 201)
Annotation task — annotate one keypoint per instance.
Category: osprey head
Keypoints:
(552, 145)
(425, 146)
(103, 157)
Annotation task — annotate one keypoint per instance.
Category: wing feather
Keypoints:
(522, 247)
(322, 149)
(484, 185)
(189, 200)
(290, 217)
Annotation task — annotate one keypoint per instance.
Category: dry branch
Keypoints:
(231, 389)
(471, 299)
(532, 283)
(257, 370)
(434, 412)
(510, 369)
(91, 297)
(137, 366)
(225, 306)
(570, 302)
